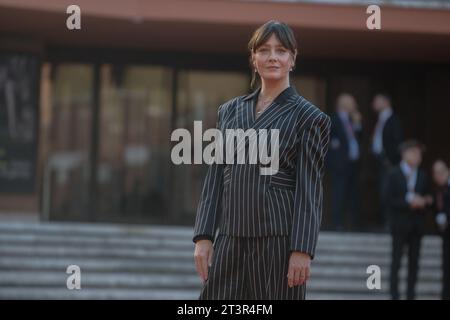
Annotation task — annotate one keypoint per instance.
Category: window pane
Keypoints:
(199, 96)
(134, 158)
(67, 171)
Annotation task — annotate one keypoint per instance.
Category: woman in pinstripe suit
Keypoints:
(256, 234)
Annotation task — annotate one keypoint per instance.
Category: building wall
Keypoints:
(96, 84)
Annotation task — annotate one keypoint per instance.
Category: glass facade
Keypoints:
(127, 146)
(199, 95)
(133, 163)
(135, 178)
(66, 92)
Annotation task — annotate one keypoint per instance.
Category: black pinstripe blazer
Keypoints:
(239, 201)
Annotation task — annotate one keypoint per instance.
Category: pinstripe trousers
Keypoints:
(252, 268)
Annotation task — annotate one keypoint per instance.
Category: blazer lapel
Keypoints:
(246, 118)
(244, 115)
(272, 113)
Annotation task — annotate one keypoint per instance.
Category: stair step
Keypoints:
(179, 232)
(121, 230)
(94, 264)
(175, 244)
(97, 294)
(186, 255)
(99, 279)
(166, 267)
(156, 262)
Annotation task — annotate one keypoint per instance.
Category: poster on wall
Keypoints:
(19, 80)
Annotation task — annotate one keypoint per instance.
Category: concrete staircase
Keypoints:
(156, 262)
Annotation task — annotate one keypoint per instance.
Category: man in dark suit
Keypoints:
(441, 208)
(343, 160)
(387, 136)
(407, 196)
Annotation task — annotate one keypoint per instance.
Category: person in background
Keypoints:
(343, 160)
(441, 208)
(387, 136)
(407, 197)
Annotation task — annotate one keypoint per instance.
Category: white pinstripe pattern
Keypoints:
(241, 203)
(252, 268)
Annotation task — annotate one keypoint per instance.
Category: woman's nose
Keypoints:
(272, 55)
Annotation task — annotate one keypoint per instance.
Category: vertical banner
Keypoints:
(19, 80)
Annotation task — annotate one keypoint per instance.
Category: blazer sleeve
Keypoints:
(210, 204)
(307, 216)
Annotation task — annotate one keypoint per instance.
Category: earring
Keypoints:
(291, 69)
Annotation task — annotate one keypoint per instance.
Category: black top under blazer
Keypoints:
(239, 201)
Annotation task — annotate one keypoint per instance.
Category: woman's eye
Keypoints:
(277, 50)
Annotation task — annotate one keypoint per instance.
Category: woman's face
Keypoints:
(273, 61)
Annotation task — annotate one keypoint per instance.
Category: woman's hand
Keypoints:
(299, 268)
(203, 257)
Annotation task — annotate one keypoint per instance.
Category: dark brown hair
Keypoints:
(281, 30)
(408, 144)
